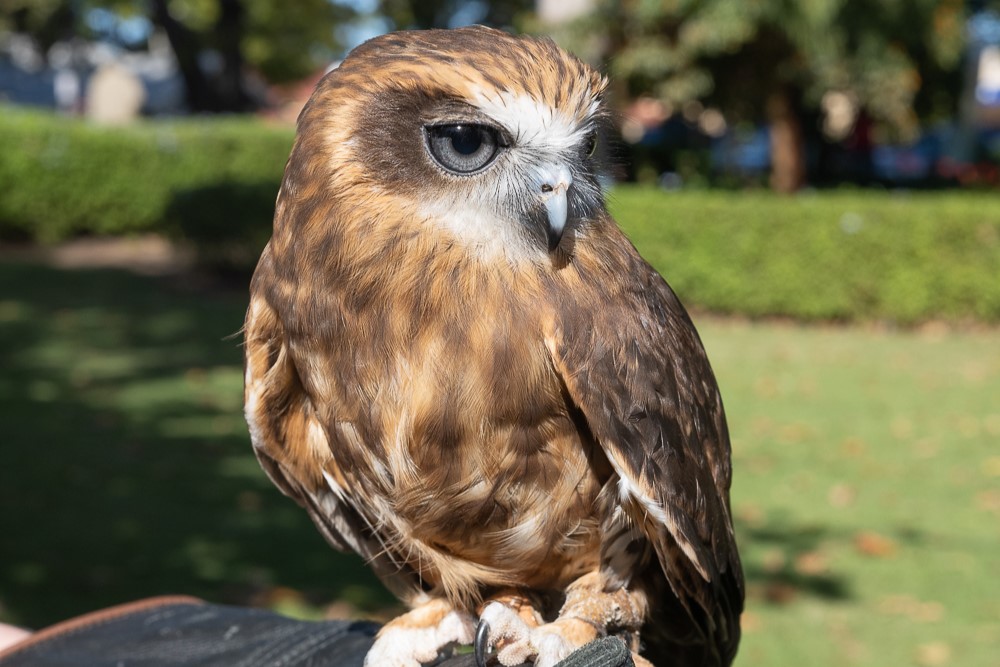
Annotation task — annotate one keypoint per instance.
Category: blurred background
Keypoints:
(817, 180)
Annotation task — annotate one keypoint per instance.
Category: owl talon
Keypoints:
(482, 643)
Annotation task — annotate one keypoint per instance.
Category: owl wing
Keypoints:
(290, 440)
(284, 426)
(633, 364)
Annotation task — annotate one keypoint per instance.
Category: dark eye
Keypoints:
(590, 147)
(463, 149)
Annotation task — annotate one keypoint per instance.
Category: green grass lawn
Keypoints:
(866, 495)
(866, 492)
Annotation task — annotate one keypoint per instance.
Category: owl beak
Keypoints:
(555, 182)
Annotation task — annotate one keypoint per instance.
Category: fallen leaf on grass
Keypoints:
(195, 375)
(968, 426)
(988, 501)
(779, 592)
(974, 372)
(933, 654)
(750, 514)
(766, 387)
(901, 428)
(912, 608)
(249, 501)
(807, 386)
(991, 466)
(750, 622)
(795, 433)
(853, 447)
(848, 644)
(773, 561)
(872, 544)
(841, 495)
(761, 426)
(811, 563)
(926, 448)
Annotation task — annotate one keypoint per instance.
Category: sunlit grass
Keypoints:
(866, 474)
(865, 491)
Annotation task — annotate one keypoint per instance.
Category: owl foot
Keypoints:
(514, 630)
(419, 635)
(516, 641)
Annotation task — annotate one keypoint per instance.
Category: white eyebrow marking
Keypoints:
(533, 123)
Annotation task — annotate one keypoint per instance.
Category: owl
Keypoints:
(462, 369)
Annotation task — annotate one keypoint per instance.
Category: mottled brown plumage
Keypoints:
(485, 404)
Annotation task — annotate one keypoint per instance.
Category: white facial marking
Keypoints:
(532, 123)
(475, 222)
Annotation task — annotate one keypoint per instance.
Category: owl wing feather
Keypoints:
(639, 374)
(291, 443)
(283, 422)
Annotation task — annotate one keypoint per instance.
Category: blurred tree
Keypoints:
(214, 40)
(425, 14)
(47, 21)
(774, 59)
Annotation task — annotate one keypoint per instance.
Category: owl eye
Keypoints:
(463, 149)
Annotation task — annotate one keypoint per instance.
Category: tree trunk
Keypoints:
(788, 159)
(231, 89)
(224, 92)
(186, 48)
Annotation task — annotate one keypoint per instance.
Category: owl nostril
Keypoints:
(546, 187)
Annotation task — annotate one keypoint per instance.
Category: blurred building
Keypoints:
(560, 11)
(61, 77)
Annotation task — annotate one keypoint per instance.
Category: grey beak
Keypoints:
(554, 182)
(555, 207)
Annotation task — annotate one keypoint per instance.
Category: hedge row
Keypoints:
(864, 255)
(209, 180)
(904, 257)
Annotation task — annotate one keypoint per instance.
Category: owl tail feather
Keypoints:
(439, 573)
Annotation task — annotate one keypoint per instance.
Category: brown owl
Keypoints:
(464, 371)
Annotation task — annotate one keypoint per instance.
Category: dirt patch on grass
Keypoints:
(146, 255)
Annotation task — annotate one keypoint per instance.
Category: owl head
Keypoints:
(481, 138)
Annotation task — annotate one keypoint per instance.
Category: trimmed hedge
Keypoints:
(209, 180)
(843, 255)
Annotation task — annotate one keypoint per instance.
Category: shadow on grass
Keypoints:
(797, 569)
(127, 470)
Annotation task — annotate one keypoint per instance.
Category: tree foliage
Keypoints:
(47, 21)
(424, 14)
(897, 58)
